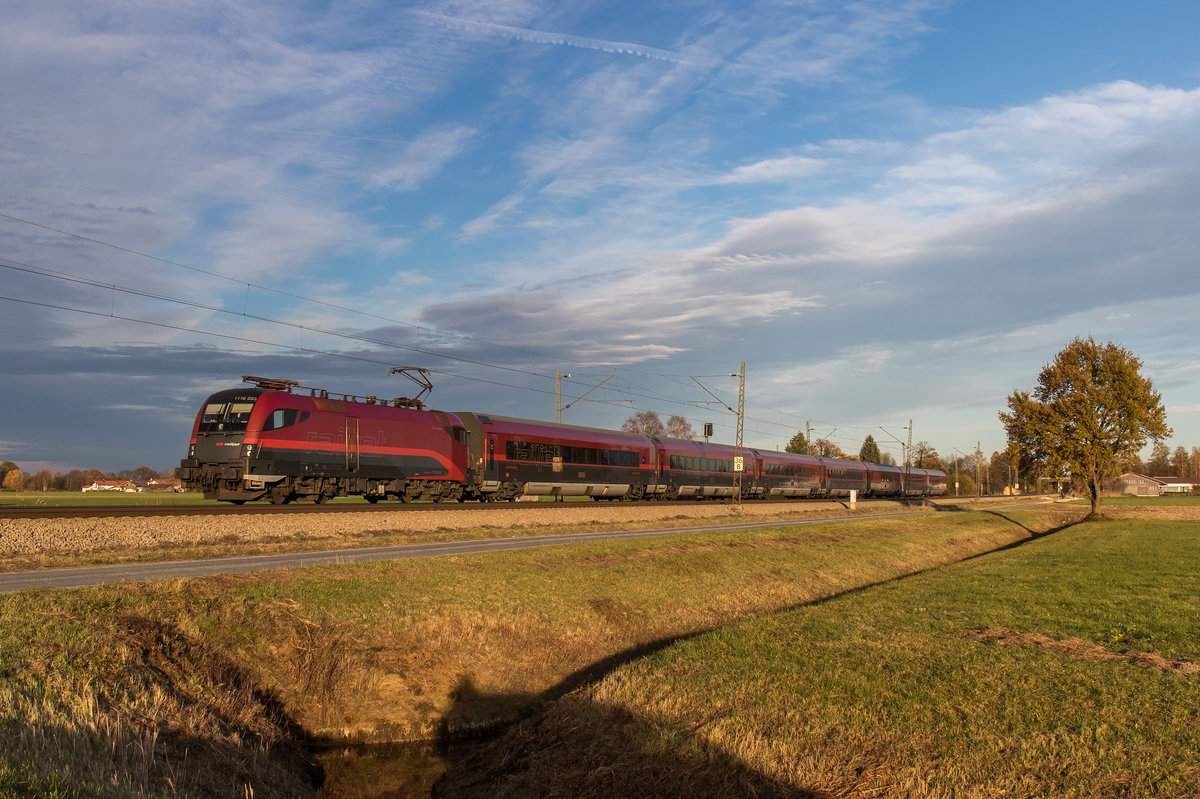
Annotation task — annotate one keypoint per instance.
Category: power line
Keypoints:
(649, 393)
(270, 289)
(115, 288)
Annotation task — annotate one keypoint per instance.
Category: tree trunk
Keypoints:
(1093, 488)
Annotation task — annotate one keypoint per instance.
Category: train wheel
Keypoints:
(238, 501)
(371, 498)
(280, 494)
(320, 499)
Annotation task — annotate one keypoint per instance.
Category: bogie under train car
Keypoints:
(281, 442)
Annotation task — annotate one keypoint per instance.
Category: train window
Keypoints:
(239, 412)
(225, 416)
(213, 413)
(689, 463)
(551, 453)
(284, 417)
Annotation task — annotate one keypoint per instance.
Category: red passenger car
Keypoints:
(513, 457)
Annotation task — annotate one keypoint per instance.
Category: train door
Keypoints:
(352, 444)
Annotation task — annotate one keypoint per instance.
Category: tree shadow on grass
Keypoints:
(1033, 534)
(564, 745)
(582, 748)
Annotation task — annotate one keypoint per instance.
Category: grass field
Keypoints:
(1069, 666)
(207, 684)
(1164, 501)
(98, 498)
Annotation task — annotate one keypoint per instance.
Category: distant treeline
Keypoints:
(13, 479)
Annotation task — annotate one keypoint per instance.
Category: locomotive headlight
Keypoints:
(191, 451)
(248, 451)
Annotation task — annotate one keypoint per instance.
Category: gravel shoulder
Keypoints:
(33, 536)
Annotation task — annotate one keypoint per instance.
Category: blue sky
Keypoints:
(888, 210)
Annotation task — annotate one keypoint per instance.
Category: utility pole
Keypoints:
(963, 454)
(978, 466)
(909, 429)
(738, 460)
(558, 408)
(904, 451)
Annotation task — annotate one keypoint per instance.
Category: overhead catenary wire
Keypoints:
(293, 295)
(111, 314)
(649, 393)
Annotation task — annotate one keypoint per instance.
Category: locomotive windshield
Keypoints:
(226, 417)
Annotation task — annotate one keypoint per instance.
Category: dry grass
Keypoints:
(459, 645)
(880, 692)
(207, 684)
(109, 702)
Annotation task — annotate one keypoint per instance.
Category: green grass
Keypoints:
(104, 499)
(882, 692)
(205, 675)
(1166, 500)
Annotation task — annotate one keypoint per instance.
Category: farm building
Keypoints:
(1178, 485)
(111, 485)
(1140, 485)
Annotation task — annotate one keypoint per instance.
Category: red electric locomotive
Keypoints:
(275, 441)
(281, 441)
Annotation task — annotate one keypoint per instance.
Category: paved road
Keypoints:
(98, 575)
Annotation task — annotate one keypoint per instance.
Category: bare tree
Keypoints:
(40, 481)
(681, 428)
(1159, 464)
(1180, 463)
(144, 474)
(645, 423)
(74, 480)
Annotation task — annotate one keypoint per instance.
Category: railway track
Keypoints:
(150, 511)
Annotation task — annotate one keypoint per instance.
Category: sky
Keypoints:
(888, 210)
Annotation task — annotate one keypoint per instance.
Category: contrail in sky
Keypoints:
(544, 37)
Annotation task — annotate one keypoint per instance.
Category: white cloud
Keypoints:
(956, 166)
(774, 169)
(423, 158)
(490, 219)
(279, 239)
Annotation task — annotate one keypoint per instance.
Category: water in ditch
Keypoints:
(385, 771)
